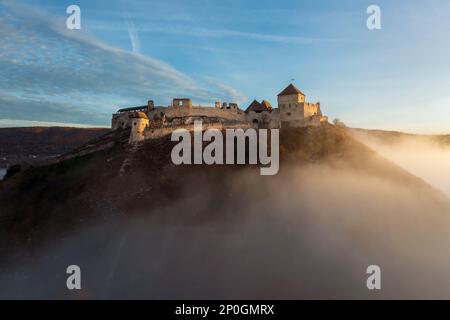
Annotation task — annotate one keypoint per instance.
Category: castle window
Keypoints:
(255, 121)
(288, 113)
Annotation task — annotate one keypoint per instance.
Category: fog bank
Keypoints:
(307, 233)
(419, 155)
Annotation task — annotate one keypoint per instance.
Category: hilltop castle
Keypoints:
(150, 121)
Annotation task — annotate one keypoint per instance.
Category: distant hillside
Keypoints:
(31, 144)
(389, 137)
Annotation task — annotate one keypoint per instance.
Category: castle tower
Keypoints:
(295, 111)
(290, 96)
(139, 121)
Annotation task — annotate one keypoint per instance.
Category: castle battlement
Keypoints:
(150, 121)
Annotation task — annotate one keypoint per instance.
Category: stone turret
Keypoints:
(139, 121)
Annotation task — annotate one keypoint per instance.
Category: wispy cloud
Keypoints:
(170, 28)
(134, 38)
(50, 73)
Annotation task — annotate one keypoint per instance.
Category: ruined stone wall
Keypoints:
(179, 112)
(155, 133)
(311, 109)
(121, 120)
(182, 103)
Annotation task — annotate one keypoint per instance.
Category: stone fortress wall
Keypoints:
(149, 122)
(177, 115)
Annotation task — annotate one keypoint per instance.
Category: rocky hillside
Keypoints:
(144, 227)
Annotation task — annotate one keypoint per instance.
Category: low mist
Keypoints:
(309, 232)
(422, 156)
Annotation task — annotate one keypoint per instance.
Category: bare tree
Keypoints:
(337, 122)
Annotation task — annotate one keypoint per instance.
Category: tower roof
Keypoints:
(259, 107)
(290, 89)
(254, 106)
(266, 105)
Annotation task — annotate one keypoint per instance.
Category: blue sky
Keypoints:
(129, 51)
